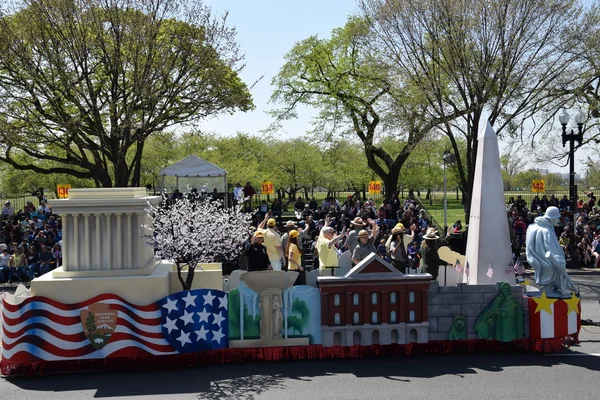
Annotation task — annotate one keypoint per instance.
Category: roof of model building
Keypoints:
(374, 268)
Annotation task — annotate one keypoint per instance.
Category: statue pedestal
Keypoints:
(270, 286)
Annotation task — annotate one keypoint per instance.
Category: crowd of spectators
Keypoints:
(331, 227)
(30, 242)
(585, 251)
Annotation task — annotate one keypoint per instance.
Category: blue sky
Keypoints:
(267, 30)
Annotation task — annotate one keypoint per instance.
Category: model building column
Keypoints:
(65, 243)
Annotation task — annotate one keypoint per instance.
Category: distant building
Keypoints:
(374, 304)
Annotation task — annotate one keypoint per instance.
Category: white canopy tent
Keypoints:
(196, 172)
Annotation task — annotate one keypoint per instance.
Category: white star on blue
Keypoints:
(187, 334)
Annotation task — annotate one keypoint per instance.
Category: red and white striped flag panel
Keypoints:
(559, 323)
(44, 329)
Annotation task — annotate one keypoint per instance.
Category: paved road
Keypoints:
(573, 375)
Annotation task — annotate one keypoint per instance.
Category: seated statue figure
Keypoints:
(546, 256)
(502, 319)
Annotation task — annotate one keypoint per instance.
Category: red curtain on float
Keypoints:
(314, 352)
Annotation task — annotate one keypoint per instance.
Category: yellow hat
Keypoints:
(293, 233)
(271, 222)
(259, 234)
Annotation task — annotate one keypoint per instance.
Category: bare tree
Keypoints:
(496, 60)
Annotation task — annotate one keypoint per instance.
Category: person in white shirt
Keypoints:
(8, 211)
(44, 207)
(238, 193)
(4, 270)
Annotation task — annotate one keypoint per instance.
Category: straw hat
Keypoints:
(363, 233)
(399, 228)
(290, 224)
(358, 221)
(430, 235)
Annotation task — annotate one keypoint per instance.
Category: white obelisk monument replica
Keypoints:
(488, 241)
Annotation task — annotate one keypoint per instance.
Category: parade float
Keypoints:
(114, 305)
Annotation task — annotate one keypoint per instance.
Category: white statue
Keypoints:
(546, 256)
(277, 320)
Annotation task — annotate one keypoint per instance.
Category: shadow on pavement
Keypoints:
(246, 381)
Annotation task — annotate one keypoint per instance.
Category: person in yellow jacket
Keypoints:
(294, 253)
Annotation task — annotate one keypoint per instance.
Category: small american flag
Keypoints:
(490, 271)
(467, 269)
(519, 267)
(457, 267)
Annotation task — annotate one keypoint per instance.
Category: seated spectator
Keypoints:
(43, 208)
(40, 238)
(457, 227)
(263, 209)
(45, 258)
(276, 210)
(564, 203)
(17, 265)
(33, 264)
(57, 255)
(4, 267)
(37, 223)
(8, 212)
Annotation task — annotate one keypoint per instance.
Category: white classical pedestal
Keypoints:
(270, 286)
(104, 249)
(488, 241)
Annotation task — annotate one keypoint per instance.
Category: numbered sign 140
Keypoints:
(375, 187)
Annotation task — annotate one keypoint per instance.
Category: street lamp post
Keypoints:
(572, 137)
(448, 158)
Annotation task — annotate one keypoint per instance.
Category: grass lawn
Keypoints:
(455, 211)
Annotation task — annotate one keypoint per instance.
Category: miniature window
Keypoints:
(411, 316)
(393, 316)
(356, 299)
(374, 317)
(356, 318)
(336, 300)
(337, 318)
(374, 298)
(411, 297)
(393, 298)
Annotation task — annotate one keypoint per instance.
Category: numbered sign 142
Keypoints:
(538, 185)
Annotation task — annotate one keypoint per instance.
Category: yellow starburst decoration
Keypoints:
(543, 303)
(525, 282)
(572, 302)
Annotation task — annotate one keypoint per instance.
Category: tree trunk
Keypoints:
(390, 182)
(190, 277)
(184, 286)
(121, 173)
(136, 165)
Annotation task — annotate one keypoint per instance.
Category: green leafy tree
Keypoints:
(299, 318)
(96, 79)
(356, 93)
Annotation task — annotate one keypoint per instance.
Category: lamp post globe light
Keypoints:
(448, 158)
(572, 137)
